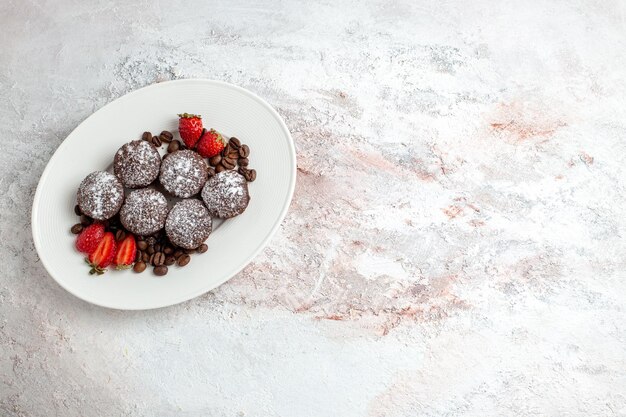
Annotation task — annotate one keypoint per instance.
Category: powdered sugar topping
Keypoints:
(188, 224)
(183, 173)
(226, 194)
(137, 163)
(100, 195)
(144, 211)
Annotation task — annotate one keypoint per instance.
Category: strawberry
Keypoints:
(125, 255)
(88, 239)
(190, 128)
(102, 257)
(211, 144)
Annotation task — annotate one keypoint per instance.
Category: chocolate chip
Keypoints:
(156, 141)
(146, 136)
(228, 163)
(160, 270)
(142, 245)
(234, 143)
(120, 235)
(85, 220)
(214, 160)
(166, 136)
(77, 210)
(77, 228)
(202, 248)
(139, 267)
(173, 146)
(244, 151)
(183, 260)
(170, 260)
(243, 162)
(220, 168)
(159, 259)
(211, 172)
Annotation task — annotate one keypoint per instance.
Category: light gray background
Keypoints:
(456, 243)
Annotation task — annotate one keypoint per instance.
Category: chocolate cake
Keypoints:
(100, 195)
(226, 194)
(137, 164)
(183, 173)
(188, 224)
(144, 211)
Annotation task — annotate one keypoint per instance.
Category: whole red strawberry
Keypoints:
(88, 239)
(125, 255)
(190, 128)
(210, 144)
(102, 257)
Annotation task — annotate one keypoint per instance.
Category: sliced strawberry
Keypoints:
(125, 255)
(88, 239)
(190, 128)
(211, 143)
(102, 257)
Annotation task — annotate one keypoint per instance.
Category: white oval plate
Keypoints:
(231, 110)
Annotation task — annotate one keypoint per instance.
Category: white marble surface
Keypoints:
(455, 247)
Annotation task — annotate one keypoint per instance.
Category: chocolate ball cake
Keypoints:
(144, 211)
(137, 164)
(183, 173)
(188, 224)
(226, 194)
(100, 195)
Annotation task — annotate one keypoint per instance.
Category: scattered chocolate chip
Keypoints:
(142, 245)
(156, 141)
(243, 162)
(166, 136)
(173, 146)
(146, 136)
(77, 210)
(220, 168)
(202, 248)
(120, 235)
(184, 260)
(228, 163)
(214, 160)
(160, 270)
(84, 220)
(77, 228)
(139, 267)
(211, 171)
(234, 143)
(244, 151)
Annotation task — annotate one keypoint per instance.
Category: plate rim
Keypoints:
(186, 297)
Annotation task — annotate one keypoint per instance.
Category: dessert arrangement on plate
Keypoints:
(126, 218)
